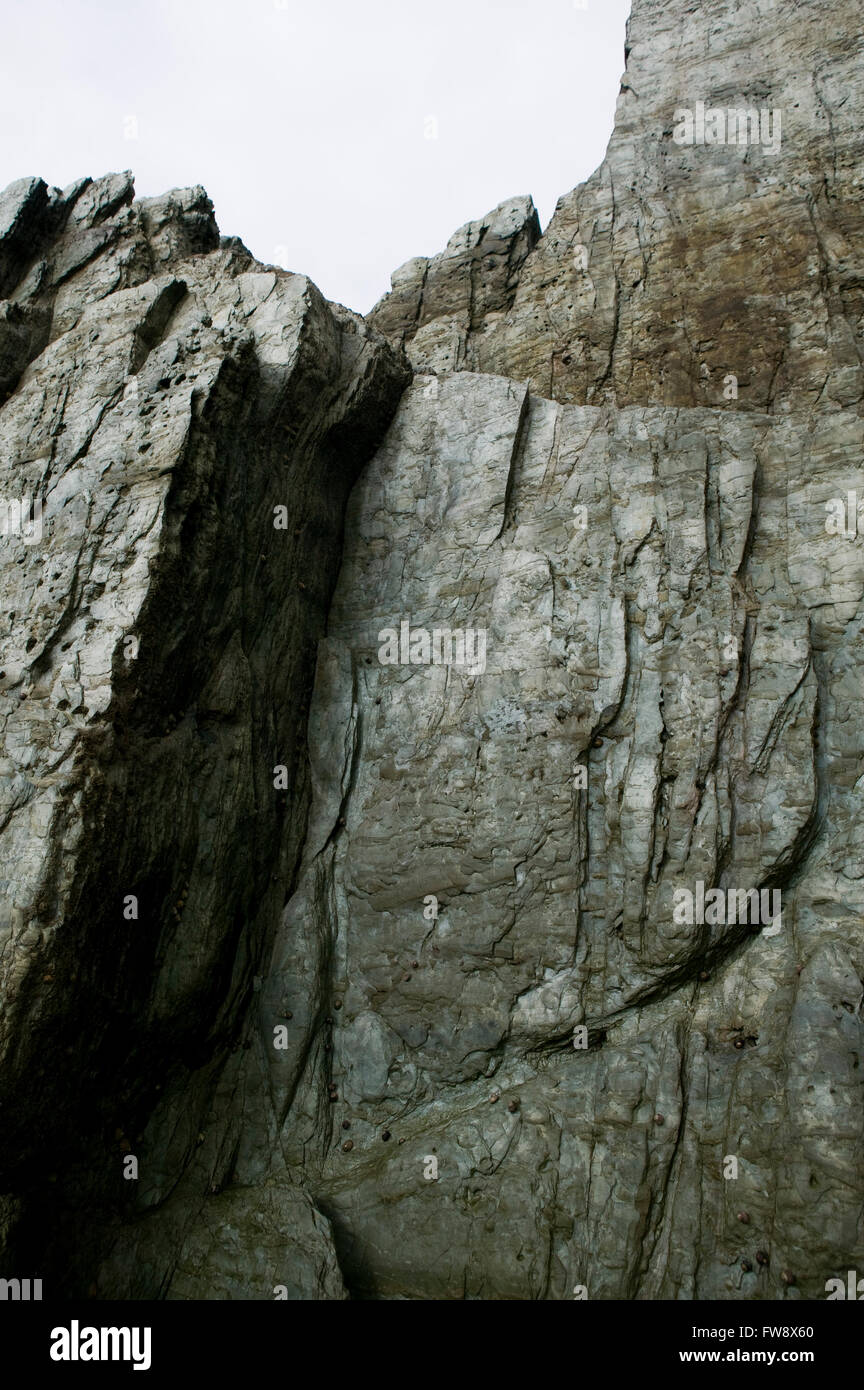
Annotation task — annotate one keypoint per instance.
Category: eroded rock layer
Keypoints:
(668, 697)
(407, 941)
(676, 265)
(189, 424)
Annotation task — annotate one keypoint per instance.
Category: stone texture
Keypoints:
(343, 1036)
(699, 261)
(158, 654)
(690, 648)
(436, 303)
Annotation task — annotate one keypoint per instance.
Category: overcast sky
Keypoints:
(336, 137)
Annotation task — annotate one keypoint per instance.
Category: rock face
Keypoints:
(190, 424)
(678, 265)
(522, 955)
(437, 305)
(666, 700)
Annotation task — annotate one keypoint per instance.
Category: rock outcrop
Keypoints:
(189, 424)
(437, 304)
(676, 265)
(486, 924)
(666, 699)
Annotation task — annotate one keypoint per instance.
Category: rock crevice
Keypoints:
(391, 758)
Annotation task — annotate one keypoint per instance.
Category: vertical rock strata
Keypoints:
(169, 396)
(429, 1018)
(694, 647)
(675, 265)
(667, 607)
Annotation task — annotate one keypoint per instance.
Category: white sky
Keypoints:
(306, 120)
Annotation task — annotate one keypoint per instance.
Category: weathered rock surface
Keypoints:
(437, 303)
(675, 266)
(170, 396)
(688, 647)
(421, 1017)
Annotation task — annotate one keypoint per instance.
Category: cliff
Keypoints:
(430, 829)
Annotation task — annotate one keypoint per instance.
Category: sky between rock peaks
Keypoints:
(308, 121)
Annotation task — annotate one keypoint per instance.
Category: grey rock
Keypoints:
(678, 628)
(675, 266)
(436, 304)
(158, 652)
(422, 1017)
